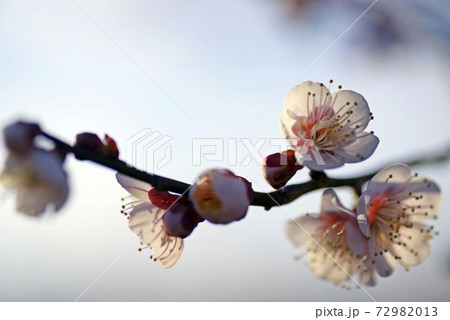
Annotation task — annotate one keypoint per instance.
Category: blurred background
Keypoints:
(211, 69)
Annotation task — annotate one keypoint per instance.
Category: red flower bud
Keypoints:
(279, 168)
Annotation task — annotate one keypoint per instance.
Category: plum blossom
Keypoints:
(38, 179)
(279, 168)
(35, 175)
(328, 130)
(221, 197)
(328, 238)
(392, 214)
(146, 220)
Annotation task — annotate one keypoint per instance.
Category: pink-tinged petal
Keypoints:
(361, 149)
(147, 223)
(298, 103)
(136, 187)
(361, 210)
(301, 230)
(357, 242)
(357, 115)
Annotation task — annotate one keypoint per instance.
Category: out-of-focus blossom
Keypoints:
(328, 238)
(92, 143)
(19, 137)
(279, 168)
(221, 197)
(328, 129)
(38, 178)
(392, 214)
(147, 222)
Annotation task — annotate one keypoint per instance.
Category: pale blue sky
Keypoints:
(225, 63)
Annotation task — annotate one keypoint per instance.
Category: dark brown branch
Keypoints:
(285, 195)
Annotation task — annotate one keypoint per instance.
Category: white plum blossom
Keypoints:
(146, 221)
(392, 214)
(328, 238)
(220, 197)
(38, 178)
(327, 130)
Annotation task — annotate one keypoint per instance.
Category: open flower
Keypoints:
(328, 130)
(329, 238)
(221, 197)
(38, 178)
(392, 214)
(146, 220)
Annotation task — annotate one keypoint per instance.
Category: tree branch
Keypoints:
(282, 196)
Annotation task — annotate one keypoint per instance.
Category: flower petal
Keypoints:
(136, 187)
(318, 161)
(146, 221)
(301, 230)
(413, 246)
(331, 203)
(363, 147)
(360, 113)
(298, 103)
(397, 173)
(356, 241)
(426, 199)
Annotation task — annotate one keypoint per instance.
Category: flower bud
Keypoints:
(20, 135)
(279, 168)
(161, 199)
(220, 197)
(92, 143)
(180, 220)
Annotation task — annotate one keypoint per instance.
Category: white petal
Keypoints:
(146, 221)
(32, 201)
(136, 187)
(397, 173)
(417, 246)
(363, 147)
(360, 113)
(427, 198)
(318, 161)
(301, 230)
(297, 104)
(334, 268)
